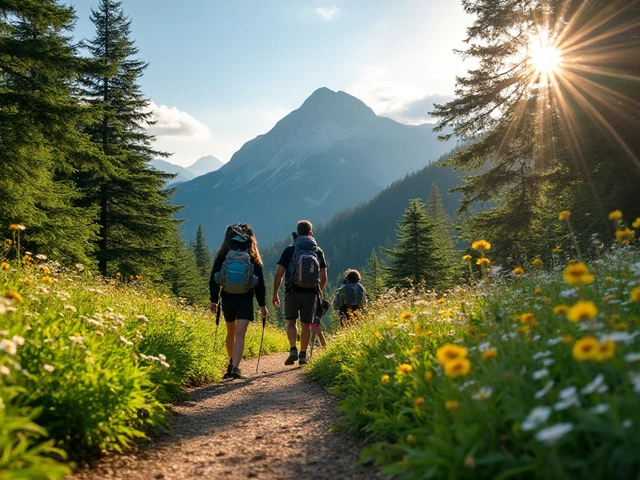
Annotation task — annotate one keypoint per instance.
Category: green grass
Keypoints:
(91, 363)
(534, 410)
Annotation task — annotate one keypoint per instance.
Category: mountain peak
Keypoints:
(325, 103)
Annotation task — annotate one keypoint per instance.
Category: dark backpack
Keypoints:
(304, 267)
(354, 295)
(236, 275)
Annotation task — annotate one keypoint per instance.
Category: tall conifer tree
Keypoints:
(40, 122)
(135, 218)
(443, 232)
(203, 254)
(417, 257)
(547, 137)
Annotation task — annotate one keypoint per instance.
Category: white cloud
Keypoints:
(388, 96)
(328, 13)
(171, 122)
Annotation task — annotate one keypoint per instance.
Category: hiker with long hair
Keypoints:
(237, 268)
(349, 298)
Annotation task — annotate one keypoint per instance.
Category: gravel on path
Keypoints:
(274, 425)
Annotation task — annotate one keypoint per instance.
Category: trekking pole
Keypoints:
(215, 334)
(264, 323)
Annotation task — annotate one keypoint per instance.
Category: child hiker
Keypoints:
(237, 268)
(350, 297)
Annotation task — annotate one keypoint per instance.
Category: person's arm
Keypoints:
(260, 289)
(323, 278)
(277, 280)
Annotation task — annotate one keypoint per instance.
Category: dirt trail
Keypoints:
(274, 425)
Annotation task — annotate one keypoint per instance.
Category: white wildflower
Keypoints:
(593, 385)
(632, 357)
(48, 368)
(390, 356)
(627, 423)
(570, 293)
(76, 338)
(18, 340)
(125, 341)
(547, 362)
(165, 364)
(554, 341)
(536, 417)
(538, 374)
(8, 346)
(162, 357)
(4, 370)
(540, 355)
(600, 408)
(71, 308)
(142, 318)
(551, 434)
(544, 390)
(483, 393)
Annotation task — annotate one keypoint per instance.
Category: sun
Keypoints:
(545, 57)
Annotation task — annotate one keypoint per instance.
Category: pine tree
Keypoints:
(135, 218)
(203, 254)
(40, 119)
(373, 278)
(443, 233)
(417, 257)
(535, 148)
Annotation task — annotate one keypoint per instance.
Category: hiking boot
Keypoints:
(302, 358)
(293, 356)
(228, 373)
(235, 373)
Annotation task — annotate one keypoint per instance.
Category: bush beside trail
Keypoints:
(87, 365)
(532, 375)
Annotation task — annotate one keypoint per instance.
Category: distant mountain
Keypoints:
(202, 166)
(331, 153)
(205, 165)
(351, 235)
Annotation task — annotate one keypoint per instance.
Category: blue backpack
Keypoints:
(304, 267)
(236, 275)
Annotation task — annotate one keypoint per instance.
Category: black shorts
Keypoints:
(233, 311)
(300, 303)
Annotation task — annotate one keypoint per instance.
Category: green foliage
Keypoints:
(539, 144)
(531, 405)
(135, 218)
(420, 255)
(92, 361)
(201, 250)
(40, 143)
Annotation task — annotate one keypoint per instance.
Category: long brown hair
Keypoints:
(246, 231)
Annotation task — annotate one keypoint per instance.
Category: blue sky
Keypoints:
(222, 72)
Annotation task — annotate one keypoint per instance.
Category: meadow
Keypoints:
(88, 364)
(530, 372)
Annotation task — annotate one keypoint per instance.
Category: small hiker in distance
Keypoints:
(350, 297)
(304, 269)
(237, 268)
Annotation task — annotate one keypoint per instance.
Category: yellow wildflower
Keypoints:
(518, 271)
(560, 309)
(615, 215)
(5, 266)
(635, 294)
(452, 405)
(537, 291)
(582, 310)
(466, 257)
(404, 368)
(405, 315)
(450, 352)
(577, 274)
(483, 261)
(564, 215)
(378, 335)
(537, 263)
(428, 376)
(385, 379)
(46, 279)
(567, 338)
(441, 300)
(481, 245)
(605, 351)
(557, 250)
(457, 368)
(489, 353)
(623, 235)
(526, 318)
(17, 226)
(636, 223)
(585, 349)
(13, 295)
(419, 402)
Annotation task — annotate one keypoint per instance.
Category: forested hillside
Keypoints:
(350, 237)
